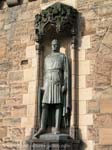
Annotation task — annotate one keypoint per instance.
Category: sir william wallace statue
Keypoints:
(55, 101)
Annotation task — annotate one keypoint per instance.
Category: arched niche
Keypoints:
(59, 21)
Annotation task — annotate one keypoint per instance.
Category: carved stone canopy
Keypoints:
(59, 16)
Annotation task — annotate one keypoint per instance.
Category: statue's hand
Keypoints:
(64, 89)
(42, 88)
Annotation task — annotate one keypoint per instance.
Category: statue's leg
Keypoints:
(43, 120)
(44, 115)
(58, 115)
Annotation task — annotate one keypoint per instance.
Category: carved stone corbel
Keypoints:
(11, 3)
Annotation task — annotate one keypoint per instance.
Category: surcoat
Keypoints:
(55, 76)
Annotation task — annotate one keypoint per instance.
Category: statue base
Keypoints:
(54, 142)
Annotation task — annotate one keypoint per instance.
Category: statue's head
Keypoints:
(55, 45)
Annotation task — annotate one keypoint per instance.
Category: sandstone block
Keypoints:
(34, 62)
(1, 122)
(107, 39)
(93, 106)
(82, 107)
(15, 76)
(105, 11)
(31, 110)
(4, 91)
(85, 42)
(18, 88)
(5, 114)
(17, 100)
(85, 119)
(82, 81)
(84, 67)
(85, 94)
(3, 75)
(12, 121)
(92, 133)
(3, 132)
(103, 147)
(82, 54)
(17, 133)
(32, 87)
(103, 120)
(27, 122)
(2, 52)
(28, 131)
(31, 51)
(83, 132)
(5, 65)
(30, 74)
(29, 98)
(90, 27)
(105, 136)
(2, 101)
(19, 111)
(106, 106)
(106, 94)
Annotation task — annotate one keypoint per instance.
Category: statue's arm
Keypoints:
(66, 64)
(67, 80)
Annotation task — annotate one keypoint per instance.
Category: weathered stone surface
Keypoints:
(92, 133)
(14, 121)
(17, 100)
(15, 76)
(105, 11)
(4, 91)
(103, 147)
(19, 111)
(18, 89)
(18, 133)
(2, 53)
(93, 106)
(106, 106)
(3, 132)
(1, 122)
(103, 120)
(86, 119)
(5, 65)
(5, 114)
(105, 136)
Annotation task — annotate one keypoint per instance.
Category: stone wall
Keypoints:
(95, 90)
(18, 73)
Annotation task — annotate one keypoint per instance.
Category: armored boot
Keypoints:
(43, 121)
(58, 114)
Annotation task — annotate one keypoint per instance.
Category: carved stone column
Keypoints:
(38, 52)
(74, 71)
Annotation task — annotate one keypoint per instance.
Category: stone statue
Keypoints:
(55, 101)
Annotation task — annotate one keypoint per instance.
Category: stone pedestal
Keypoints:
(54, 142)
